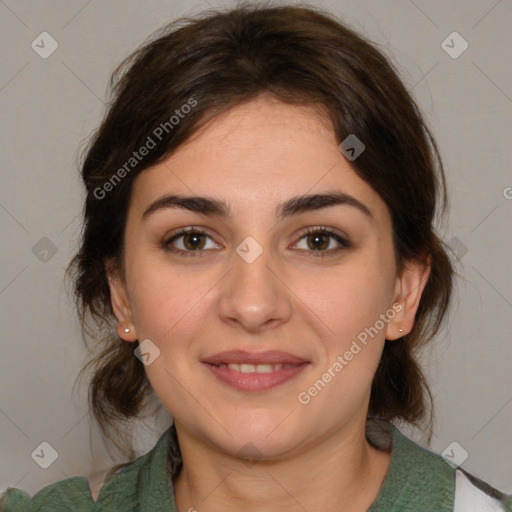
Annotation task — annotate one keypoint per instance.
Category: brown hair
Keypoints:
(300, 55)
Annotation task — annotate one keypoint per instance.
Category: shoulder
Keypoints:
(67, 495)
(420, 478)
(471, 493)
(126, 489)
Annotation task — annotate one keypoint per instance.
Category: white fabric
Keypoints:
(469, 498)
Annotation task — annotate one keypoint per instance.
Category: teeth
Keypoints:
(252, 368)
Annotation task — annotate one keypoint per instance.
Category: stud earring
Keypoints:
(125, 332)
(400, 330)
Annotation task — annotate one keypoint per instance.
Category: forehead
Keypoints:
(256, 155)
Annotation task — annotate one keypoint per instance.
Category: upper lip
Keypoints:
(241, 356)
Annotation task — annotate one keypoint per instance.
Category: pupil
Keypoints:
(195, 240)
(319, 239)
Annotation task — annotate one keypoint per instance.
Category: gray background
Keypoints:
(50, 106)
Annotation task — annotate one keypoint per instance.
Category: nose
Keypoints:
(254, 296)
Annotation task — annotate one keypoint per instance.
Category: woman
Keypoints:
(259, 228)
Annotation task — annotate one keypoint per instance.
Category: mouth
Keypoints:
(261, 371)
(254, 368)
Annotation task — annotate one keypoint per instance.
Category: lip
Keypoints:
(255, 381)
(242, 356)
(292, 366)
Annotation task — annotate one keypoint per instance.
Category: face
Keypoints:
(304, 279)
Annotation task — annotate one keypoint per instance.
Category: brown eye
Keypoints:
(318, 241)
(322, 242)
(190, 242)
(194, 241)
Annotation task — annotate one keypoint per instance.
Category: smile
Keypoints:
(254, 368)
(255, 377)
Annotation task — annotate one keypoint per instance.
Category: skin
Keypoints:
(254, 157)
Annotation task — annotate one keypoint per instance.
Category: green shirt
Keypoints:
(417, 480)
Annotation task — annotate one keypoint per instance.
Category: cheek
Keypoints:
(347, 299)
(349, 302)
(168, 309)
(166, 304)
(340, 384)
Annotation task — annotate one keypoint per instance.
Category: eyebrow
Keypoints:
(293, 206)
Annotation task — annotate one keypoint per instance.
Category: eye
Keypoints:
(189, 242)
(322, 242)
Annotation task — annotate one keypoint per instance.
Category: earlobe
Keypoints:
(120, 303)
(408, 291)
(126, 331)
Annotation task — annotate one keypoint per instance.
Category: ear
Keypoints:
(120, 302)
(409, 287)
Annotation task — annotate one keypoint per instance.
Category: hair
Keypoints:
(216, 61)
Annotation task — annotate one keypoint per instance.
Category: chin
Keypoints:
(258, 449)
(262, 437)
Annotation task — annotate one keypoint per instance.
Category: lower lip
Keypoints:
(255, 381)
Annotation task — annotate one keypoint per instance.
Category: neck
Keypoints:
(339, 472)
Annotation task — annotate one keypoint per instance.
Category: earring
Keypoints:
(125, 332)
(400, 330)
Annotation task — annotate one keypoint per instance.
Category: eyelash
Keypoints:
(345, 244)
